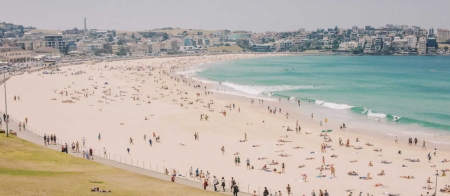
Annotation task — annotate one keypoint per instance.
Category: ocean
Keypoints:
(409, 94)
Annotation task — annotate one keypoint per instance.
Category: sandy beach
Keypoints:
(137, 99)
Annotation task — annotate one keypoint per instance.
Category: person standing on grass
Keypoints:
(77, 147)
(104, 152)
(232, 184)
(235, 190)
(223, 184)
(45, 140)
(205, 184)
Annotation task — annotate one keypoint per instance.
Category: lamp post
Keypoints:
(435, 188)
(6, 108)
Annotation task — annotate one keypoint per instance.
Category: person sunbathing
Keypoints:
(264, 167)
(369, 144)
(382, 173)
(352, 173)
(308, 133)
(385, 162)
(378, 185)
(354, 161)
(297, 147)
(358, 148)
(368, 177)
(301, 166)
(237, 153)
(273, 163)
(407, 177)
(310, 158)
(279, 144)
(262, 158)
(245, 141)
(256, 145)
(378, 150)
(445, 161)
(370, 164)
(284, 155)
(334, 156)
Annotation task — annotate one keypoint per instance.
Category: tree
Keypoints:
(110, 38)
(121, 42)
(336, 28)
(100, 51)
(446, 48)
(165, 37)
(358, 51)
(113, 33)
(122, 51)
(132, 36)
(227, 44)
(448, 41)
(108, 47)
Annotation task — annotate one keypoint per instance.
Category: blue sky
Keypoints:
(253, 15)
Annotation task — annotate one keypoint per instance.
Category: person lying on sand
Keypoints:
(297, 147)
(279, 144)
(310, 158)
(255, 145)
(301, 166)
(280, 140)
(284, 155)
(382, 173)
(182, 144)
(273, 162)
(378, 185)
(334, 156)
(354, 161)
(369, 144)
(445, 161)
(407, 177)
(237, 153)
(428, 187)
(352, 173)
(284, 136)
(263, 158)
(358, 148)
(385, 162)
(378, 150)
(308, 133)
(245, 141)
(264, 167)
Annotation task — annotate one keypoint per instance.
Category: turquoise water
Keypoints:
(415, 89)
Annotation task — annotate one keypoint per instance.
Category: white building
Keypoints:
(411, 40)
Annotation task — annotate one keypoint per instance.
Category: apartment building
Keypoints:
(443, 35)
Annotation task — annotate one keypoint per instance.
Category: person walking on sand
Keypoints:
(145, 137)
(215, 182)
(131, 140)
(150, 141)
(223, 184)
(333, 171)
(248, 163)
(99, 137)
(235, 190)
(282, 167)
(128, 150)
(396, 140)
(423, 146)
(223, 150)
(288, 189)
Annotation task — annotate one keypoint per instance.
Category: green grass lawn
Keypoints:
(29, 169)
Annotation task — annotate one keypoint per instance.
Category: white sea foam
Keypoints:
(236, 93)
(205, 81)
(188, 72)
(256, 90)
(334, 105)
(376, 115)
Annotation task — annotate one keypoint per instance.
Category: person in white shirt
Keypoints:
(216, 182)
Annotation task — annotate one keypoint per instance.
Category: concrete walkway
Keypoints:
(35, 138)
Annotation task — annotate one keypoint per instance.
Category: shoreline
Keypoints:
(177, 124)
(393, 128)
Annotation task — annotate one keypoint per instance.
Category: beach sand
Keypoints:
(124, 100)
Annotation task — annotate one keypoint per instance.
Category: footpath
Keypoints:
(37, 139)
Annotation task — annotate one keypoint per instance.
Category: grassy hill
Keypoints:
(29, 169)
